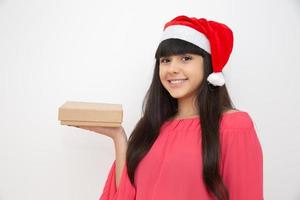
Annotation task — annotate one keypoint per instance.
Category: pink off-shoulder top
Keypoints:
(172, 169)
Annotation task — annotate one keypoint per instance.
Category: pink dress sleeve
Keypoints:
(125, 191)
(242, 161)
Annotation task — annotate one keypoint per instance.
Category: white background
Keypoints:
(103, 51)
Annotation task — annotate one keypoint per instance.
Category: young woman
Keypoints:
(190, 143)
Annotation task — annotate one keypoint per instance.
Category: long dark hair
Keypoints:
(159, 106)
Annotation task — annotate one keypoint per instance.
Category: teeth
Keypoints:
(177, 81)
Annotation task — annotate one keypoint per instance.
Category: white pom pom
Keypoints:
(216, 78)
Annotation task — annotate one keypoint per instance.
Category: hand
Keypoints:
(112, 132)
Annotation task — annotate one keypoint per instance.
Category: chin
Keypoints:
(178, 95)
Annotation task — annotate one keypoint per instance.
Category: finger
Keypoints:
(85, 128)
(73, 126)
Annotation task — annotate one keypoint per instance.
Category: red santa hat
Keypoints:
(214, 37)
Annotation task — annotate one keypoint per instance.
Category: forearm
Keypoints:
(120, 143)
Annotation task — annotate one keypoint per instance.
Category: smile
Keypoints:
(177, 82)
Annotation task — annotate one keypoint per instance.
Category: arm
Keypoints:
(120, 142)
(118, 185)
(242, 165)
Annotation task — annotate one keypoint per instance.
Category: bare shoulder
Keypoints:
(231, 111)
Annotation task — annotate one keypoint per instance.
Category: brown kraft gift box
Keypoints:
(79, 113)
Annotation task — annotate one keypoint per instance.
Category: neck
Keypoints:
(186, 107)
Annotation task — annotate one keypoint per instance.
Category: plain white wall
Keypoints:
(103, 51)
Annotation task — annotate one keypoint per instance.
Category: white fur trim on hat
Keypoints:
(188, 34)
(216, 78)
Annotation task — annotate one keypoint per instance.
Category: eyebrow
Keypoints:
(184, 54)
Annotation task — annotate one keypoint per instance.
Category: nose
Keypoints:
(174, 67)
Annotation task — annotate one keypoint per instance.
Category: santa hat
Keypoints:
(214, 37)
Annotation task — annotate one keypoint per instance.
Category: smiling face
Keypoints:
(181, 75)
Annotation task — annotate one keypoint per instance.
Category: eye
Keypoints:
(164, 60)
(187, 58)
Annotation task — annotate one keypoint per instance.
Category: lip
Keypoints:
(177, 79)
(177, 85)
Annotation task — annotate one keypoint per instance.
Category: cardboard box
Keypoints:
(79, 113)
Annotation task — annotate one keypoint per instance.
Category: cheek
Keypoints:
(161, 74)
(196, 76)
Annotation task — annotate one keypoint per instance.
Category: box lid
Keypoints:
(90, 111)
